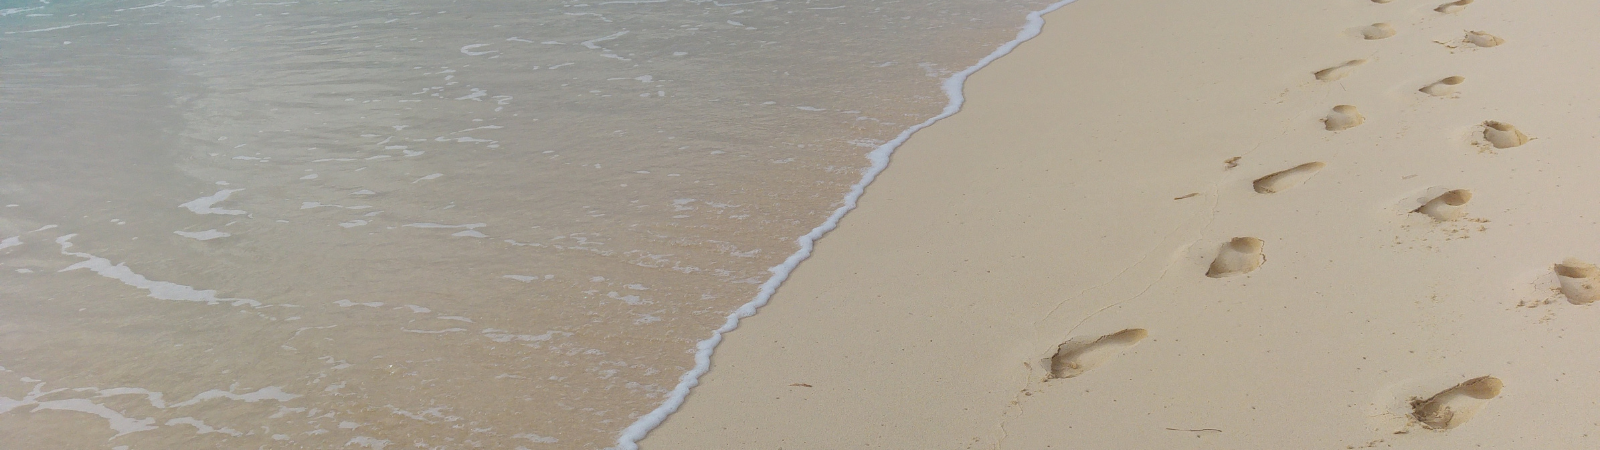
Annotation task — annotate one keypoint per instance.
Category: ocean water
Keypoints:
(409, 224)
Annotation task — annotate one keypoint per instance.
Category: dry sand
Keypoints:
(1083, 191)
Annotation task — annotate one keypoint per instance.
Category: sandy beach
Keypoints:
(1246, 224)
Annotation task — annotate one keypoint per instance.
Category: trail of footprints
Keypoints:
(1579, 280)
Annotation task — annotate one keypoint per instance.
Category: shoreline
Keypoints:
(879, 157)
(1206, 226)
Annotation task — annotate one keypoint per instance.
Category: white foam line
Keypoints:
(162, 290)
(120, 423)
(468, 226)
(467, 50)
(266, 393)
(446, 330)
(57, 28)
(591, 43)
(202, 428)
(201, 235)
(10, 11)
(163, 3)
(629, 439)
(203, 205)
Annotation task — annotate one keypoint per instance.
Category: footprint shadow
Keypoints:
(1483, 39)
(1285, 179)
(1503, 135)
(1444, 87)
(1376, 31)
(1446, 207)
(1580, 281)
(1074, 357)
(1343, 117)
(1338, 72)
(1453, 7)
(1239, 256)
(1455, 406)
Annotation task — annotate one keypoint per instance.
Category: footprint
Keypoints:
(1455, 406)
(1075, 358)
(1377, 31)
(1448, 206)
(1239, 256)
(1503, 135)
(1580, 281)
(1339, 71)
(1443, 87)
(1343, 117)
(1453, 7)
(1483, 39)
(1283, 180)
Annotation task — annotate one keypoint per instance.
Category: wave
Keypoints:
(629, 439)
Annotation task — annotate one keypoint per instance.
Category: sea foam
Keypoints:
(879, 157)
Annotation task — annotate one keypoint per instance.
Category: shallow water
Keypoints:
(417, 224)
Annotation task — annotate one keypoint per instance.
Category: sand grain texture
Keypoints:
(1044, 211)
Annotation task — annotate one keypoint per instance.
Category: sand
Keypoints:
(1094, 192)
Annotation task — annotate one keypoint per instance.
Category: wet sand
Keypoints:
(1242, 224)
(494, 224)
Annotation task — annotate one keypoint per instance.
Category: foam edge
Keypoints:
(630, 437)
